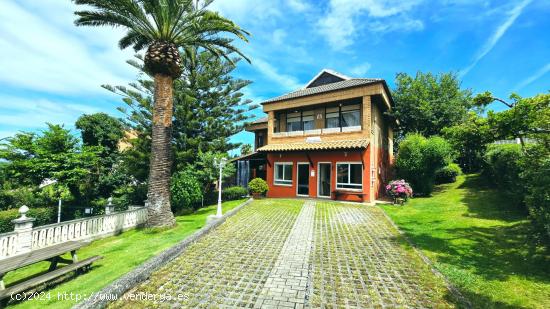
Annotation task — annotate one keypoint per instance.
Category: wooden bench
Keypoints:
(338, 193)
(53, 255)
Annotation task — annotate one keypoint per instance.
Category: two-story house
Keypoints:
(330, 139)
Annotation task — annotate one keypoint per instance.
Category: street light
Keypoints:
(221, 163)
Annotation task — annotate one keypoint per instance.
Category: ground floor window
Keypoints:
(349, 176)
(283, 173)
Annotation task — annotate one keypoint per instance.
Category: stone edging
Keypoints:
(141, 273)
(450, 286)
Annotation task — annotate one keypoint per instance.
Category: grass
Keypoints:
(120, 254)
(481, 242)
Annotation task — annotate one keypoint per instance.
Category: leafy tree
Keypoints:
(100, 129)
(428, 103)
(53, 154)
(525, 117)
(163, 27)
(246, 149)
(469, 139)
(208, 170)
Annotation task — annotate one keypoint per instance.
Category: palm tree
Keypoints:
(164, 27)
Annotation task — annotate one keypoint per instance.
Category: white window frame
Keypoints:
(349, 176)
(282, 182)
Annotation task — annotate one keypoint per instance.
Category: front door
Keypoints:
(303, 179)
(324, 179)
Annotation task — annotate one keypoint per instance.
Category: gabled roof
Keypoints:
(322, 145)
(324, 77)
(353, 82)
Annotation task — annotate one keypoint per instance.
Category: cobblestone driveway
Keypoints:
(296, 254)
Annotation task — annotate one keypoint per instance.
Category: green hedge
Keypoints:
(535, 174)
(419, 158)
(234, 193)
(186, 191)
(42, 216)
(448, 173)
(502, 166)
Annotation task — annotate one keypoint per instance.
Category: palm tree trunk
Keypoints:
(159, 213)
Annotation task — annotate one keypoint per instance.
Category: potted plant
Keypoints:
(399, 190)
(257, 187)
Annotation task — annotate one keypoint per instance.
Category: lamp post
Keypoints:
(221, 163)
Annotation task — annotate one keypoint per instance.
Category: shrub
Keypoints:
(186, 191)
(399, 189)
(502, 169)
(234, 193)
(448, 173)
(258, 185)
(42, 216)
(536, 178)
(419, 158)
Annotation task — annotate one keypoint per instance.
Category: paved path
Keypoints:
(288, 281)
(295, 254)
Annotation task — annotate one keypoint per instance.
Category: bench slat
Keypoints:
(23, 286)
(38, 255)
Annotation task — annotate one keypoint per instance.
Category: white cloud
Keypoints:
(279, 36)
(538, 74)
(360, 70)
(267, 70)
(513, 14)
(31, 114)
(43, 51)
(340, 25)
(298, 5)
(242, 11)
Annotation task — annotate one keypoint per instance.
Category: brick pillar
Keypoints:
(23, 228)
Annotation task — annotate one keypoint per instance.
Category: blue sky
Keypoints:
(51, 71)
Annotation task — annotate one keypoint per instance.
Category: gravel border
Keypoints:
(141, 273)
(464, 302)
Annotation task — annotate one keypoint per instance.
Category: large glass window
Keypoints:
(293, 122)
(351, 116)
(349, 176)
(283, 174)
(332, 117)
(307, 120)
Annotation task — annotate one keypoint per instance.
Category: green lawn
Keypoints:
(480, 242)
(120, 255)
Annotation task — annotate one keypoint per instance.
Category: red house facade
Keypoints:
(331, 139)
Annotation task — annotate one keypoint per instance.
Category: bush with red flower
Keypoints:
(399, 190)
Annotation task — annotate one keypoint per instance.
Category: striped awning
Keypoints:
(321, 145)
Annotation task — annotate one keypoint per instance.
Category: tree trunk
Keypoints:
(159, 213)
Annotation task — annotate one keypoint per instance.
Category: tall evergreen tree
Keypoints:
(208, 108)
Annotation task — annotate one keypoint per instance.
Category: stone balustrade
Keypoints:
(25, 238)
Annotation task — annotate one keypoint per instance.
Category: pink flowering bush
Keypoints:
(399, 189)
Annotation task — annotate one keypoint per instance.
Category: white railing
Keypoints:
(26, 238)
(8, 242)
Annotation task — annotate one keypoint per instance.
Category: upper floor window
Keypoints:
(351, 116)
(293, 122)
(332, 116)
(308, 122)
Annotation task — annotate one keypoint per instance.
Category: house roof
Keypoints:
(353, 82)
(322, 145)
(260, 120)
(326, 72)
